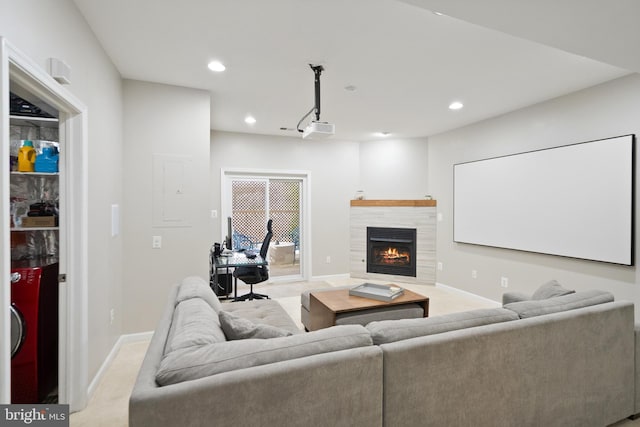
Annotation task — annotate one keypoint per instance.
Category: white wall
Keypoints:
(334, 170)
(610, 109)
(42, 29)
(394, 168)
(171, 120)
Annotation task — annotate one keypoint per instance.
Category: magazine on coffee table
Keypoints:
(377, 292)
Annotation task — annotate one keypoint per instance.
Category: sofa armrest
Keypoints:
(509, 297)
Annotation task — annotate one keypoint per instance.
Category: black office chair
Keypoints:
(255, 274)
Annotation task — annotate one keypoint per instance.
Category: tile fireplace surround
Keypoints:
(418, 214)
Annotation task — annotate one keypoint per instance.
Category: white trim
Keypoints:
(108, 361)
(5, 234)
(138, 336)
(285, 279)
(73, 331)
(468, 294)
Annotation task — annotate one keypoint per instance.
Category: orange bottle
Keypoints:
(26, 157)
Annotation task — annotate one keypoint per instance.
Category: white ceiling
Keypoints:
(406, 63)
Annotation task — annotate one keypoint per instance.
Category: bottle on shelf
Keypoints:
(48, 160)
(26, 157)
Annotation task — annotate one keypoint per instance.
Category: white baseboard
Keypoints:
(122, 339)
(468, 294)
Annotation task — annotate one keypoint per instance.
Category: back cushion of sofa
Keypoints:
(387, 331)
(196, 287)
(199, 362)
(533, 308)
(194, 323)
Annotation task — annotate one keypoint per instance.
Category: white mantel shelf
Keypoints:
(392, 203)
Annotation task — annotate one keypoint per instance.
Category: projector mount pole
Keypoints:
(317, 70)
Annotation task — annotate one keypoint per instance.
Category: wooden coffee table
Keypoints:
(326, 305)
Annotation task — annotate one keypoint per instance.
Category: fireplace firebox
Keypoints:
(391, 251)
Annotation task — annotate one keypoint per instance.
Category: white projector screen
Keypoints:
(575, 201)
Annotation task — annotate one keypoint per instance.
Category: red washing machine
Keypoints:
(34, 330)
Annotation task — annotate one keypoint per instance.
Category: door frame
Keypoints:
(73, 328)
(305, 204)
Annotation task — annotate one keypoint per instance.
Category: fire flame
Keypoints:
(391, 252)
(393, 255)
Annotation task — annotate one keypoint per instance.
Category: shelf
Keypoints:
(22, 229)
(34, 121)
(36, 173)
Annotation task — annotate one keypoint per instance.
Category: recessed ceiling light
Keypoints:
(350, 88)
(438, 13)
(382, 134)
(249, 120)
(216, 66)
(456, 105)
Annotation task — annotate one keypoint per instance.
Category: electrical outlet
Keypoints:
(112, 316)
(474, 274)
(328, 260)
(440, 266)
(214, 214)
(504, 282)
(156, 242)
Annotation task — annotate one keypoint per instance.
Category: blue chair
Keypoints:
(241, 241)
(295, 237)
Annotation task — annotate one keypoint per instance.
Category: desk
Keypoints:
(235, 259)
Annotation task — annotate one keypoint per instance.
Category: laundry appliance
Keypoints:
(34, 330)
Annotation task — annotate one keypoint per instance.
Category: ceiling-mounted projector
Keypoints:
(318, 130)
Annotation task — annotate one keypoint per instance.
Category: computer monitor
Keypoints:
(229, 239)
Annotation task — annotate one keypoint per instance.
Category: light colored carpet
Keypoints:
(108, 406)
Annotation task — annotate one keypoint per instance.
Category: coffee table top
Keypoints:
(340, 301)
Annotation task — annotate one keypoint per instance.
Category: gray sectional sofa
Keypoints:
(568, 360)
(193, 376)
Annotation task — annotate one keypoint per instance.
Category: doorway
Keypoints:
(18, 73)
(251, 199)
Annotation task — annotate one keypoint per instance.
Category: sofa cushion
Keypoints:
(550, 289)
(237, 328)
(572, 301)
(194, 323)
(196, 287)
(198, 362)
(267, 312)
(387, 331)
(509, 297)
